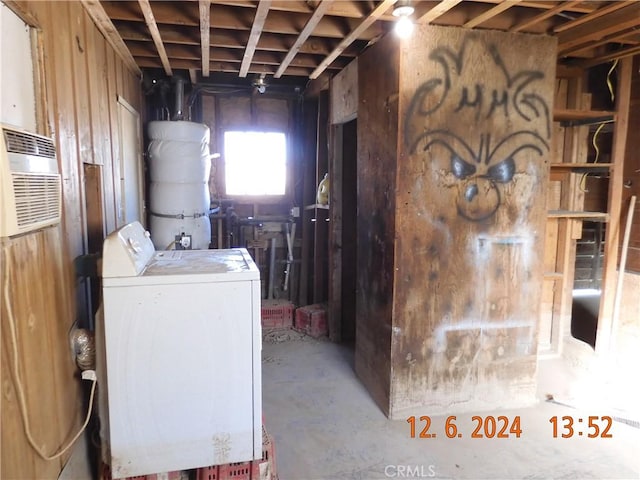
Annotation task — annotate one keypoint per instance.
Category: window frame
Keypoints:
(261, 198)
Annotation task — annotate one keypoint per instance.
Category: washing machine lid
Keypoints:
(126, 252)
(193, 266)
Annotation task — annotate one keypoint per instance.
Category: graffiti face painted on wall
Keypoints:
(480, 160)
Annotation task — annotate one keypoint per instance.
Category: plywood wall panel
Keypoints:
(471, 209)
(465, 138)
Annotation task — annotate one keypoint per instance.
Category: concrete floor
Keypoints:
(326, 426)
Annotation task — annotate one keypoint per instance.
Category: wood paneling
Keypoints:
(344, 94)
(632, 170)
(83, 78)
(469, 169)
(378, 122)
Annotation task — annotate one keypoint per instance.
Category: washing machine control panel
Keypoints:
(126, 251)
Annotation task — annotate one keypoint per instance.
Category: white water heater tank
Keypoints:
(179, 169)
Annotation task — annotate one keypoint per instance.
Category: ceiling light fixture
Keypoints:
(404, 25)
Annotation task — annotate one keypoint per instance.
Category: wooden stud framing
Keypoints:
(612, 7)
(304, 34)
(149, 19)
(349, 39)
(440, 9)
(254, 36)
(612, 235)
(205, 34)
(104, 24)
(492, 12)
(544, 15)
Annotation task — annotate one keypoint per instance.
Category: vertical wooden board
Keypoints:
(114, 189)
(335, 232)
(551, 245)
(344, 94)
(102, 130)
(470, 216)
(82, 94)
(59, 42)
(377, 159)
(34, 304)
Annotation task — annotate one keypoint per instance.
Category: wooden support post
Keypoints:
(612, 235)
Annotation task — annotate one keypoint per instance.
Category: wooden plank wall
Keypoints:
(632, 170)
(377, 157)
(83, 77)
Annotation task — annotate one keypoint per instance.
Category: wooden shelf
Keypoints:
(581, 167)
(553, 276)
(569, 165)
(578, 214)
(316, 205)
(569, 115)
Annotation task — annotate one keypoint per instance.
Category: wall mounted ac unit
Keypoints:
(30, 185)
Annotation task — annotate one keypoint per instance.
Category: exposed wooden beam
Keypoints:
(205, 34)
(618, 21)
(175, 35)
(440, 9)
(348, 40)
(612, 7)
(544, 15)
(193, 75)
(149, 19)
(214, 66)
(106, 27)
(489, 14)
(254, 36)
(319, 12)
(184, 14)
(617, 37)
(619, 54)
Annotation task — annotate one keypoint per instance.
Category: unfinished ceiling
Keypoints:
(308, 39)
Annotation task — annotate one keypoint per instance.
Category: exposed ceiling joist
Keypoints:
(617, 37)
(254, 36)
(544, 15)
(205, 34)
(440, 9)
(625, 52)
(106, 27)
(618, 21)
(149, 19)
(193, 76)
(372, 17)
(304, 35)
(489, 14)
(612, 7)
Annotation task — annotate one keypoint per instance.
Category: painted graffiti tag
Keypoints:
(479, 164)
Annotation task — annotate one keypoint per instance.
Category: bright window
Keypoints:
(255, 163)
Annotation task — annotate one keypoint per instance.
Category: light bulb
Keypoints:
(404, 27)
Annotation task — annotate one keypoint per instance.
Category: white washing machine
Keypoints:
(179, 356)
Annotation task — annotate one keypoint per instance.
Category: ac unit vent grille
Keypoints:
(37, 198)
(25, 143)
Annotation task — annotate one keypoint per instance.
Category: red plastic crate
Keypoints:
(276, 314)
(312, 320)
